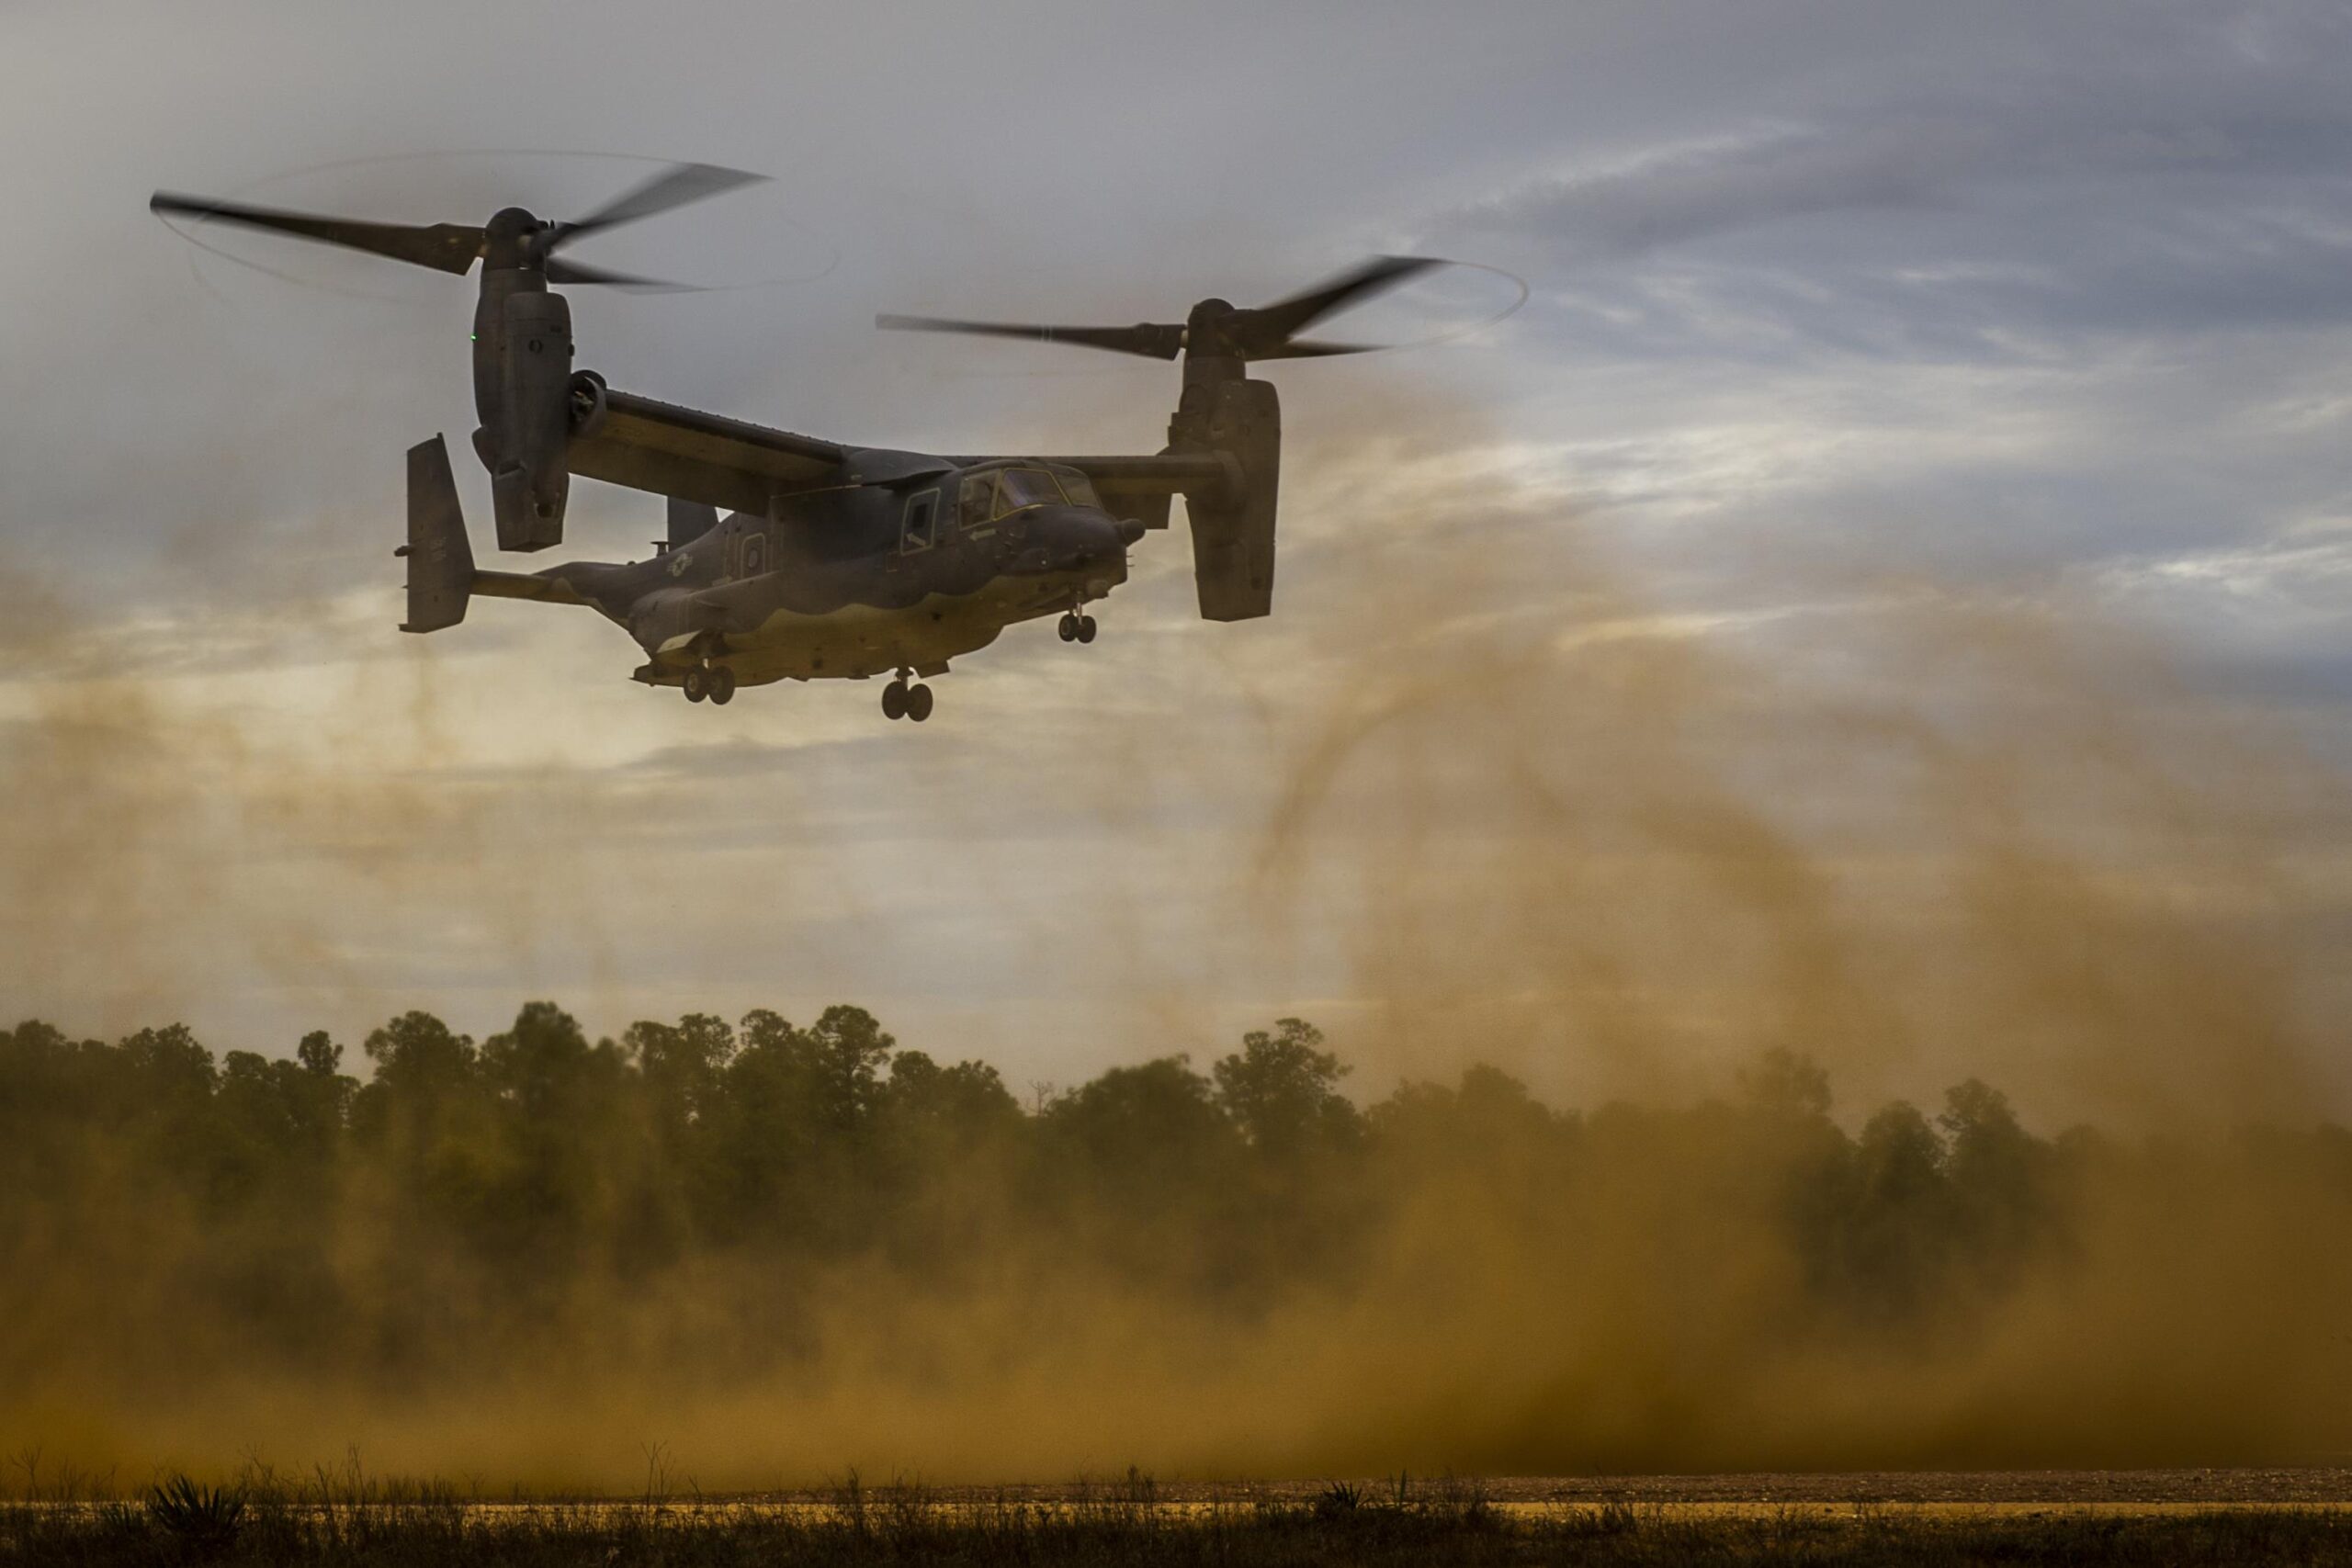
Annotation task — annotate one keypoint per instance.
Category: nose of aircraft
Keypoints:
(1075, 536)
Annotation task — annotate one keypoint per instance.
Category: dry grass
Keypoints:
(346, 1518)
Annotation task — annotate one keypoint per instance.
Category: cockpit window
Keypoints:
(1017, 488)
(979, 495)
(1079, 491)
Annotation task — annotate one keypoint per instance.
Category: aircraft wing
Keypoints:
(738, 467)
(1163, 473)
(1139, 486)
(708, 457)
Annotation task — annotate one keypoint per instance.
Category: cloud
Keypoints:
(1839, 310)
(2179, 180)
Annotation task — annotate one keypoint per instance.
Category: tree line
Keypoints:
(450, 1197)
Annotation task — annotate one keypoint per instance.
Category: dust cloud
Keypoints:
(1688, 871)
(1907, 827)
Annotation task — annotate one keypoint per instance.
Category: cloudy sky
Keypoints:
(1889, 591)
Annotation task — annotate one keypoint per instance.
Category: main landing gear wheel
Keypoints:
(1075, 628)
(722, 684)
(1085, 628)
(1069, 628)
(902, 700)
(697, 683)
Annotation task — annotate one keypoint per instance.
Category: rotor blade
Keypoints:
(1309, 348)
(1152, 341)
(1283, 317)
(450, 247)
(561, 271)
(674, 186)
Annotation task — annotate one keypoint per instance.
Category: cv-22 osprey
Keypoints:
(790, 557)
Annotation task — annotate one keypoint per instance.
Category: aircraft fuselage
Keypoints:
(858, 579)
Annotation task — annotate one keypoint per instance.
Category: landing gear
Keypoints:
(715, 681)
(902, 700)
(1075, 627)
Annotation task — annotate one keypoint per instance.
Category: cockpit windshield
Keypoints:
(1017, 488)
(993, 493)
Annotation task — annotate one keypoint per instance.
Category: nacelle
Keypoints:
(529, 479)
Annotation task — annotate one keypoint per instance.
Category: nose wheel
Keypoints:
(1075, 627)
(902, 700)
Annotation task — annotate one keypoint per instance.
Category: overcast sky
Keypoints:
(1907, 534)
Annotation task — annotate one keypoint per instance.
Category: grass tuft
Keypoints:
(201, 1521)
(1339, 1500)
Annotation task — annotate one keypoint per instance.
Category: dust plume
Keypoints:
(283, 807)
(1636, 931)
(1909, 828)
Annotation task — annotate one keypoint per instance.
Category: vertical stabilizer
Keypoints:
(690, 520)
(440, 560)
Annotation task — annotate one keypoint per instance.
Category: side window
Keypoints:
(1080, 490)
(755, 554)
(978, 490)
(922, 522)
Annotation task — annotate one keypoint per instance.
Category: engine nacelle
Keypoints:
(530, 476)
(1233, 535)
(589, 407)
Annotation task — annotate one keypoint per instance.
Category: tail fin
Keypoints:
(690, 520)
(1233, 542)
(440, 560)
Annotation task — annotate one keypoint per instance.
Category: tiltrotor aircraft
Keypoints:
(832, 560)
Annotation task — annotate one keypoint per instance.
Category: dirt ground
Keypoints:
(2129, 1490)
